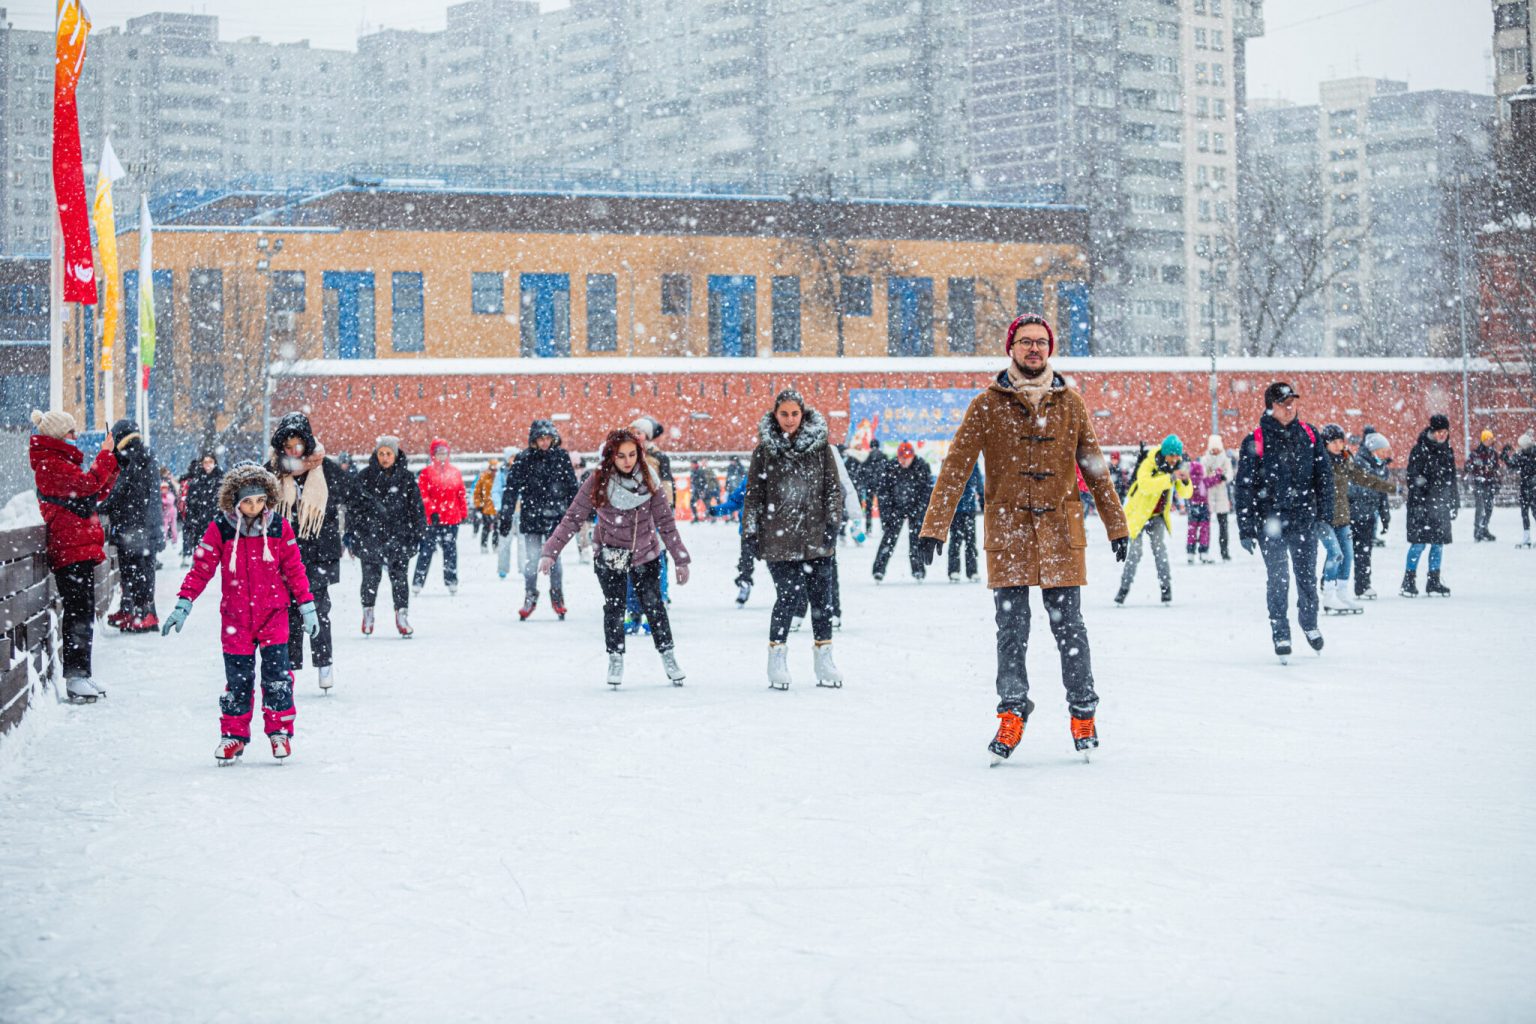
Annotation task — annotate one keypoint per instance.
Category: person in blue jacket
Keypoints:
(732, 506)
(962, 531)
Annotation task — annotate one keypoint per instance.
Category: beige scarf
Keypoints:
(311, 511)
(1033, 388)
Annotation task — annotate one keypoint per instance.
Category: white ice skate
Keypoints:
(826, 670)
(615, 669)
(778, 666)
(1330, 596)
(280, 748)
(82, 691)
(453, 590)
(403, 624)
(1368, 594)
(327, 675)
(367, 622)
(674, 670)
(1345, 600)
(228, 750)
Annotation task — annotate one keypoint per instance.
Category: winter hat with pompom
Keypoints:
(53, 424)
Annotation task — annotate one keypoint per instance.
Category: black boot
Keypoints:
(1432, 585)
(1410, 585)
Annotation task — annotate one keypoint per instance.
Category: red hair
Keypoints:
(607, 465)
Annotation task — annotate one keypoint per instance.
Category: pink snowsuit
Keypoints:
(168, 513)
(1199, 509)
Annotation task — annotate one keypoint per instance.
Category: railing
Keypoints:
(29, 618)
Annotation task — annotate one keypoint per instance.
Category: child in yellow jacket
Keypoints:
(1161, 477)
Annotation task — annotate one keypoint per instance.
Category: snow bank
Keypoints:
(21, 510)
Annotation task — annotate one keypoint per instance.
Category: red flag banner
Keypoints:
(68, 167)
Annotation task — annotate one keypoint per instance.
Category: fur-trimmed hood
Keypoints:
(811, 436)
(239, 477)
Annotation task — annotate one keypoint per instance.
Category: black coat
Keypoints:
(793, 504)
(392, 529)
(134, 504)
(322, 551)
(1365, 504)
(1433, 497)
(202, 499)
(1291, 483)
(904, 492)
(1523, 461)
(545, 483)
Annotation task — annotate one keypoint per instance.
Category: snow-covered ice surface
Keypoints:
(474, 828)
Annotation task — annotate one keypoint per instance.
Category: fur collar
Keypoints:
(811, 436)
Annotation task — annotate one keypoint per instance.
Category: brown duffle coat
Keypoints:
(1034, 519)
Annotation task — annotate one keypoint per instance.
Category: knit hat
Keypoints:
(388, 441)
(1333, 432)
(1526, 441)
(1277, 392)
(1029, 318)
(1486, 437)
(906, 451)
(1171, 446)
(53, 424)
(1439, 421)
(1214, 441)
(647, 428)
(1375, 442)
(250, 489)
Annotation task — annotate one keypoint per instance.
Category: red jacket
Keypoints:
(259, 577)
(74, 531)
(443, 495)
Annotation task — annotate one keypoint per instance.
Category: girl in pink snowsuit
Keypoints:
(168, 512)
(260, 572)
(1199, 514)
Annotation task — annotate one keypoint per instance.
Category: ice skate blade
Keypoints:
(78, 699)
(225, 762)
(1086, 758)
(1285, 659)
(778, 686)
(830, 684)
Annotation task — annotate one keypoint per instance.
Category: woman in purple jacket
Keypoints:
(634, 520)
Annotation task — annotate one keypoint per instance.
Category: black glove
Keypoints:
(928, 548)
(1121, 546)
(1247, 543)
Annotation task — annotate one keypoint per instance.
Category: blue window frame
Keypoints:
(786, 314)
(909, 316)
(407, 325)
(545, 318)
(602, 313)
(349, 314)
(732, 315)
(960, 324)
(1074, 307)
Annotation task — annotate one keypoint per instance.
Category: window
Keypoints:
(732, 315)
(408, 322)
(486, 292)
(857, 296)
(909, 311)
(676, 294)
(287, 291)
(1029, 296)
(349, 314)
(961, 323)
(602, 313)
(546, 315)
(1510, 15)
(1512, 61)
(786, 314)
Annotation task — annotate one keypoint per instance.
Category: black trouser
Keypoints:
(797, 583)
(276, 693)
(322, 641)
(1527, 509)
(837, 596)
(647, 582)
(746, 559)
(1221, 523)
(448, 537)
(962, 532)
(1064, 607)
(399, 580)
(1363, 533)
(1482, 500)
(890, 530)
(1288, 549)
(77, 592)
(137, 573)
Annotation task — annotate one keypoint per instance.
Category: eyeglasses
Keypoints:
(1033, 342)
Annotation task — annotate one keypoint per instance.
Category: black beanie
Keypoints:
(1439, 421)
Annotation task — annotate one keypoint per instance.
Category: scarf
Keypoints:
(627, 492)
(1033, 388)
(311, 505)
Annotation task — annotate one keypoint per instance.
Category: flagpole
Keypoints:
(55, 310)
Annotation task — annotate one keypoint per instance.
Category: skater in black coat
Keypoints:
(1523, 462)
(544, 482)
(1434, 501)
(202, 500)
(903, 495)
(134, 512)
(388, 534)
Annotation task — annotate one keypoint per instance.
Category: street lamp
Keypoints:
(1208, 252)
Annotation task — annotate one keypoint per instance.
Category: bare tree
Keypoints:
(231, 391)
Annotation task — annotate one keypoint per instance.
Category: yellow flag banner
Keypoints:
(106, 248)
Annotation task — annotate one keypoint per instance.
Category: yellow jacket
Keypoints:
(482, 495)
(1152, 483)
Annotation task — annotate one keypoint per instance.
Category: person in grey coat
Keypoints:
(793, 509)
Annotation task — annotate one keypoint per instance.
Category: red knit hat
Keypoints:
(905, 450)
(1029, 318)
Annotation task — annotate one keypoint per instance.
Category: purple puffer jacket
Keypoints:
(637, 529)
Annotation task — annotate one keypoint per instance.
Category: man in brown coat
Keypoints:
(1034, 432)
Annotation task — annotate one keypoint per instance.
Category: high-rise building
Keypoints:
(1512, 52)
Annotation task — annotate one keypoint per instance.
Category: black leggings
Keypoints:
(797, 583)
(136, 572)
(77, 592)
(322, 643)
(399, 581)
(647, 581)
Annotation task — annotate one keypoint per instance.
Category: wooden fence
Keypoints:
(28, 632)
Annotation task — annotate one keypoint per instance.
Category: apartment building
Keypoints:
(1512, 53)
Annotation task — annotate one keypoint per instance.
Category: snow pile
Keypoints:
(22, 510)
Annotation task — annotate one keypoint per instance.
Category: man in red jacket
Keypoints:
(444, 499)
(68, 498)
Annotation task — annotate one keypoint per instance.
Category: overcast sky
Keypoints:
(1429, 43)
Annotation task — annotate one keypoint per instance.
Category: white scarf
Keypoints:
(626, 492)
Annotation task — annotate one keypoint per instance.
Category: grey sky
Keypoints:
(1432, 44)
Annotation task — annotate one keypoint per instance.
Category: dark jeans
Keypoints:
(962, 534)
(485, 529)
(1064, 608)
(797, 584)
(746, 559)
(137, 573)
(1293, 549)
(77, 592)
(448, 538)
(1221, 522)
(276, 692)
(1363, 533)
(1482, 501)
(890, 530)
(837, 597)
(296, 634)
(399, 581)
(646, 580)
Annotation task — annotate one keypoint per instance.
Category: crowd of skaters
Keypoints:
(277, 531)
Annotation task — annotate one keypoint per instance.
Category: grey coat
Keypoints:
(794, 500)
(642, 530)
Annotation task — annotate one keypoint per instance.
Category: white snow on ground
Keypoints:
(474, 828)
